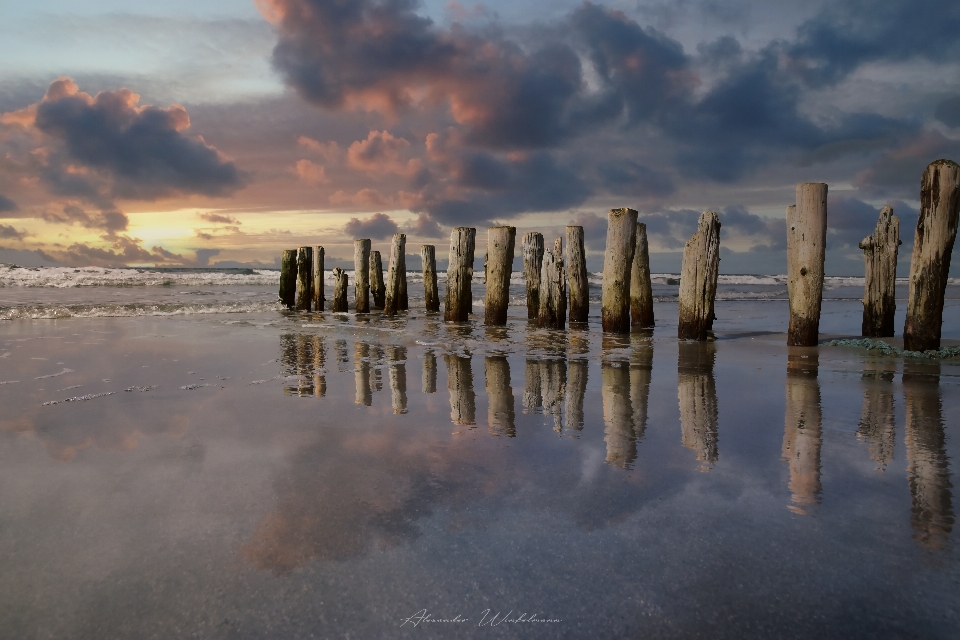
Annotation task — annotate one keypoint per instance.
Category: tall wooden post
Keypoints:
(361, 275)
(932, 246)
(532, 261)
(500, 249)
(339, 290)
(431, 295)
(698, 278)
(553, 289)
(806, 250)
(403, 303)
(288, 278)
(880, 263)
(304, 278)
(501, 413)
(318, 298)
(617, 263)
(576, 264)
(641, 290)
(394, 274)
(460, 274)
(377, 288)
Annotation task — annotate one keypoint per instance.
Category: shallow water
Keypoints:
(267, 474)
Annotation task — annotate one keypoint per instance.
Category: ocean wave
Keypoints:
(66, 277)
(54, 312)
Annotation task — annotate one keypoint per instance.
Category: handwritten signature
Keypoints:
(487, 618)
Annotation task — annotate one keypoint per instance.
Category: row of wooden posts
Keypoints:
(627, 299)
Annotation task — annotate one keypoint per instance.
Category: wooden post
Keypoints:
(361, 275)
(698, 278)
(576, 263)
(641, 290)
(339, 290)
(697, 394)
(500, 249)
(617, 263)
(617, 413)
(532, 249)
(377, 289)
(318, 299)
(304, 278)
(398, 378)
(553, 289)
(932, 246)
(806, 250)
(463, 400)
(394, 274)
(880, 264)
(576, 388)
(429, 377)
(501, 414)
(459, 297)
(802, 441)
(403, 303)
(431, 296)
(288, 278)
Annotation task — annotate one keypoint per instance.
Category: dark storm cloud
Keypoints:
(627, 177)
(204, 255)
(6, 204)
(379, 226)
(948, 111)
(110, 221)
(7, 231)
(850, 220)
(897, 171)
(125, 250)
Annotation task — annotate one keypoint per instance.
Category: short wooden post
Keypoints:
(431, 295)
(698, 278)
(288, 278)
(501, 413)
(932, 246)
(459, 297)
(304, 278)
(463, 399)
(576, 263)
(697, 394)
(617, 413)
(361, 275)
(553, 289)
(339, 290)
(617, 263)
(576, 389)
(318, 299)
(641, 290)
(398, 378)
(532, 249)
(802, 439)
(499, 268)
(429, 377)
(394, 274)
(806, 250)
(377, 289)
(880, 265)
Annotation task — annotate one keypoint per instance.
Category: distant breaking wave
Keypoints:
(53, 312)
(66, 277)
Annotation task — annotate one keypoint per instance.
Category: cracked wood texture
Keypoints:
(395, 275)
(806, 250)
(361, 275)
(339, 290)
(932, 246)
(318, 299)
(698, 278)
(304, 278)
(532, 249)
(377, 288)
(497, 272)
(641, 290)
(288, 278)
(617, 263)
(459, 298)
(431, 296)
(576, 263)
(553, 289)
(880, 267)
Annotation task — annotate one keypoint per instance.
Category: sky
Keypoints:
(220, 132)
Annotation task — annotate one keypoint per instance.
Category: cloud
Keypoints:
(123, 250)
(6, 204)
(424, 227)
(109, 221)
(594, 230)
(203, 256)
(382, 153)
(8, 232)
(897, 171)
(948, 111)
(310, 172)
(218, 218)
(379, 226)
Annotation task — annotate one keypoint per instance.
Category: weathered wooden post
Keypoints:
(403, 302)
(398, 378)
(697, 394)
(339, 290)
(361, 275)
(460, 274)
(463, 399)
(318, 299)
(499, 268)
(932, 246)
(576, 389)
(377, 289)
(641, 290)
(394, 274)
(304, 278)
(802, 440)
(532, 249)
(288, 278)
(880, 283)
(501, 414)
(576, 263)
(806, 250)
(429, 376)
(553, 289)
(617, 263)
(431, 295)
(617, 413)
(698, 278)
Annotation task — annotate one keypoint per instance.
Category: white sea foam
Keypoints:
(65, 277)
(51, 312)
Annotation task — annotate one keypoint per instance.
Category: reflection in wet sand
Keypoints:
(463, 400)
(553, 386)
(576, 388)
(500, 410)
(928, 467)
(397, 357)
(532, 394)
(697, 392)
(617, 414)
(343, 356)
(361, 373)
(641, 369)
(877, 418)
(801, 437)
(429, 384)
(303, 356)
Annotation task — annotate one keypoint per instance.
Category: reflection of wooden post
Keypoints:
(932, 246)
(339, 290)
(318, 299)
(617, 263)
(532, 261)
(361, 275)
(553, 289)
(698, 278)
(617, 414)
(392, 301)
(553, 383)
(459, 275)
(532, 396)
(641, 290)
(577, 274)
(801, 436)
(877, 417)
(806, 250)
(879, 290)
(429, 379)
(576, 388)
(500, 411)
(431, 297)
(361, 374)
(319, 368)
(288, 278)
(377, 288)
(398, 378)
(304, 278)
(460, 385)
(928, 466)
(641, 369)
(697, 393)
(500, 242)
